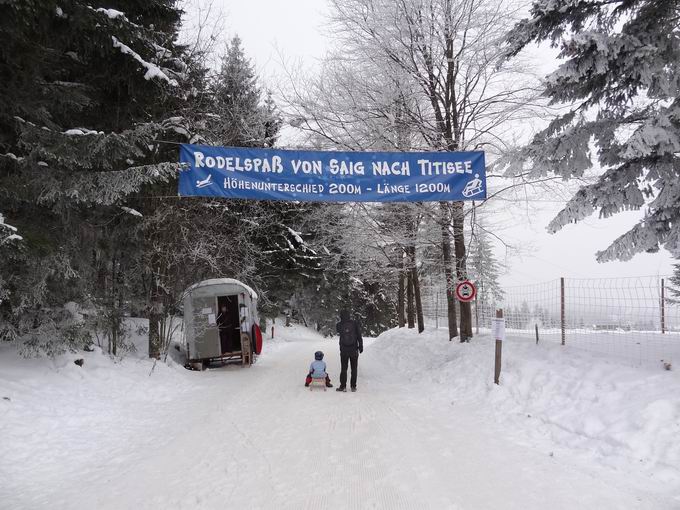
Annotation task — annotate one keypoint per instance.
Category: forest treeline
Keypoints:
(96, 96)
(93, 103)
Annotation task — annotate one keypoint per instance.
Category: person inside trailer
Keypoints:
(224, 328)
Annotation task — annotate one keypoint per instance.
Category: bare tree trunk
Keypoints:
(400, 296)
(416, 287)
(461, 269)
(115, 323)
(155, 312)
(409, 300)
(154, 330)
(419, 304)
(448, 271)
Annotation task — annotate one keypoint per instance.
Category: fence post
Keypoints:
(562, 313)
(499, 350)
(663, 308)
(436, 308)
(536, 333)
(476, 316)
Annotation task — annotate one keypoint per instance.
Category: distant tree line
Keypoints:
(95, 96)
(94, 99)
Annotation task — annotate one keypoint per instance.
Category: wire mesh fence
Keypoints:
(631, 318)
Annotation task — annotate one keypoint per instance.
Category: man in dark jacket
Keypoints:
(351, 344)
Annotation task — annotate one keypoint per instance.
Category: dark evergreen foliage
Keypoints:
(86, 91)
(90, 97)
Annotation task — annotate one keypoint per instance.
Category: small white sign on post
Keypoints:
(498, 328)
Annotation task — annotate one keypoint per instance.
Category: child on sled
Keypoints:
(317, 370)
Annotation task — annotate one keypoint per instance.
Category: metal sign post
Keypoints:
(465, 292)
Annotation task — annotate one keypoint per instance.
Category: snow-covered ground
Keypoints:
(555, 397)
(634, 348)
(427, 429)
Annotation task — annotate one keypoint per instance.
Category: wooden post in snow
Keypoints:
(536, 334)
(563, 318)
(476, 315)
(663, 307)
(436, 310)
(499, 332)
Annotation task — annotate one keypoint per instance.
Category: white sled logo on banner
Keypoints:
(205, 182)
(473, 187)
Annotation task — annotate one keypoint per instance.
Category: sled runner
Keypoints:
(318, 382)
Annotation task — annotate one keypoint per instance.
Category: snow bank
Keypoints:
(553, 397)
(61, 422)
(294, 333)
(54, 412)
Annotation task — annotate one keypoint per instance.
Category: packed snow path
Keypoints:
(234, 437)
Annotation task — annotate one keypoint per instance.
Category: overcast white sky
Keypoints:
(294, 29)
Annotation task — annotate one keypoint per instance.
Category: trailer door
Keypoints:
(206, 335)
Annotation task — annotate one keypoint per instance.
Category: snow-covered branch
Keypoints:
(8, 233)
(152, 70)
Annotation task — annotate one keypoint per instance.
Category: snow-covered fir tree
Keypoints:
(238, 100)
(82, 102)
(674, 285)
(620, 77)
(484, 268)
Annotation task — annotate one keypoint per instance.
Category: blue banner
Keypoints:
(329, 176)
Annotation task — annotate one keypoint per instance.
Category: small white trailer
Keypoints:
(220, 319)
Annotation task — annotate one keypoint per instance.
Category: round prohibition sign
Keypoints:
(466, 291)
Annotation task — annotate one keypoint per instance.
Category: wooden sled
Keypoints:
(318, 382)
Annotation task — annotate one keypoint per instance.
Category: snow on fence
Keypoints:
(630, 318)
